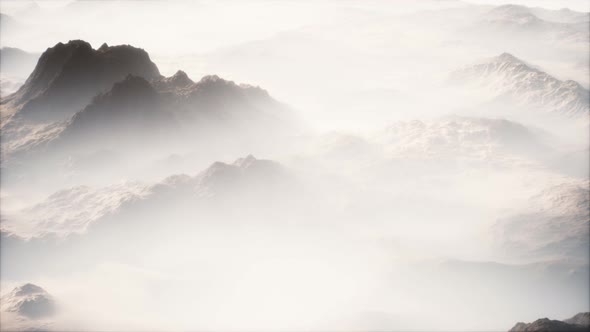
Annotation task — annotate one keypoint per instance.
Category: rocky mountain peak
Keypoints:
(68, 76)
(27, 289)
(30, 301)
(180, 79)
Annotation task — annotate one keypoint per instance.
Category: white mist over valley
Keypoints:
(277, 165)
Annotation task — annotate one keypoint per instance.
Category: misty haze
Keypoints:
(283, 165)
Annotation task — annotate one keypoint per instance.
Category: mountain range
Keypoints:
(68, 76)
(508, 77)
(578, 323)
(76, 95)
(74, 210)
(463, 137)
(521, 21)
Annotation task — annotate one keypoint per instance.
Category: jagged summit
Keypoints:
(181, 77)
(211, 79)
(218, 85)
(68, 76)
(215, 81)
(117, 90)
(176, 82)
(180, 83)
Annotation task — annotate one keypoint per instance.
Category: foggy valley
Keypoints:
(278, 165)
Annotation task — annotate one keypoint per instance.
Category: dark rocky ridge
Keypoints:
(68, 76)
(177, 81)
(578, 323)
(174, 111)
(132, 115)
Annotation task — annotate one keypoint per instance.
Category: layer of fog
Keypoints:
(379, 239)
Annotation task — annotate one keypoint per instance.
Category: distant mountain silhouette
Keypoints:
(30, 301)
(17, 63)
(583, 318)
(555, 225)
(509, 77)
(525, 22)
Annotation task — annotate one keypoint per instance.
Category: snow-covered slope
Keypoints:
(506, 76)
(461, 137)
(27, 308)
(71, 210)
(30, 301)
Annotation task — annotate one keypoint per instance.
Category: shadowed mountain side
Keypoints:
(30, 301)
(131, 113)
(68, 76)
(137, 118)
(578, 323)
